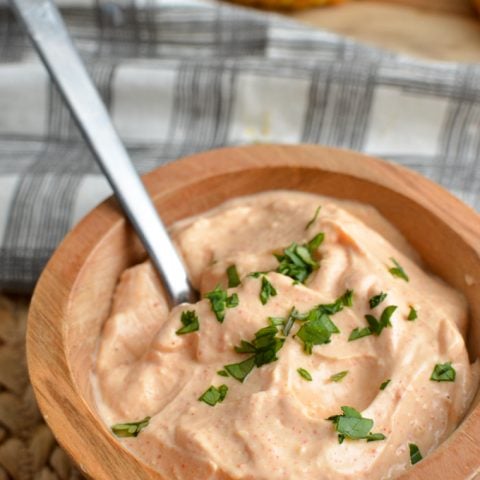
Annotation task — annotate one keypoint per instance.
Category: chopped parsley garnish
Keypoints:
(315, 216)
(292, 316)
(384, 385)
(346, 300)
(375, 327)
(189, 321)
(357, 333)
(222, 373)
(316, 330)
(267, 290)
(415, 455)
(375, 437)
(305, 374)
(263, 347)
(398, 271)
(350, 424)
(276, 321)
(214, 395)
(338, 377)
(256, 274)
(297, 261)
(233, 277)
(412, 314)
(240, 371)
(220, 301)
(376, 300)
(443, 372)
(318, 326)
(131, 429)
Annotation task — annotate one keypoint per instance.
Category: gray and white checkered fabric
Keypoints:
(182, 76)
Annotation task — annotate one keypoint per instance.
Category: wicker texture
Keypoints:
(28, 450)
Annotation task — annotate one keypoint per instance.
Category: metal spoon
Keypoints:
(49, 35)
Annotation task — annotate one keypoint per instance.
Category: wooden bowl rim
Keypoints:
(178, 174)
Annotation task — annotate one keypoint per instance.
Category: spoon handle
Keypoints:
(49, 35)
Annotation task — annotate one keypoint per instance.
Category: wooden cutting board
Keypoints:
(434, 29)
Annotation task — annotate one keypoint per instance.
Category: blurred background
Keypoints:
(399, 79)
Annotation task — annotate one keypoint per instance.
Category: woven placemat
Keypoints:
(28, 450)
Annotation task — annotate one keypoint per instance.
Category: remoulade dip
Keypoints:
(321, 349)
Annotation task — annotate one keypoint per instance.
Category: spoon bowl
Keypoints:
(73, 296)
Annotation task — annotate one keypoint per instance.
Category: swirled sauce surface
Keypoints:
(316, 329)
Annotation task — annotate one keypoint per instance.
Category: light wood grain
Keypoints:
(431, 29)
(72, 298)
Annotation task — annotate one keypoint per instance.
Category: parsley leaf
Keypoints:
(317, 330)
(415, 455)
(220, 301)
(312, 221)
(443, 372)
(240, 371)
(267, 290)
(352, 425)
(190, 322)
(318, 326)
(357, 333)
(376, 300)
(375, 327)
(233, 278)
(398, 271)
(305, 374)
(384, 385)
(292, 316)
(131, 429)
(222, 373)
(214, 395)
(412, 314)
(338, 377)
(264, 348)
(297, 261)
(346, 300)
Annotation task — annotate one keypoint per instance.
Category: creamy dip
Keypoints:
(275, 424)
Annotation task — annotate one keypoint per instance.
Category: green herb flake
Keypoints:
(214, 395)
(220, 301)
(297, 262)
(345, 300)
(384, 385)
(233, 277)
(316, 330)
(375, 437)
(376, 300)
(131, 429)
(398, 271)
(266, 291)
(222, 373)
(358, 333)
(350, 424)
(292, 316)
(338, 377)
(412, 314)
(443, 372)
(415, 455)
(240, 370)
(376, 326)
(189, 321)
(305, 374)
(264, 348)
(314, 218)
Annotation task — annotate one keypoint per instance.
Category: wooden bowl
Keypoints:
(73, 296)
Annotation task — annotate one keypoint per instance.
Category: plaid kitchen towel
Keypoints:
(182, 76)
